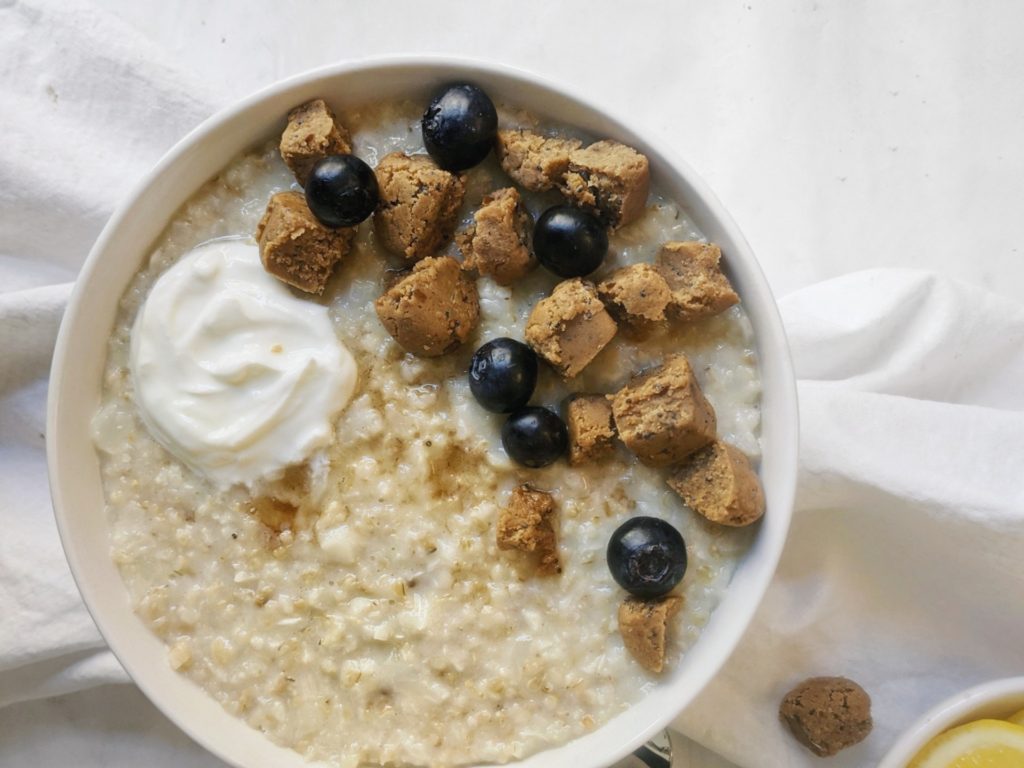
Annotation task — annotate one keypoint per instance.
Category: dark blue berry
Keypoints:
(647, 556)
(341, 191)
(569, 242)
(459, 126)
(502, 375)
(534, 436)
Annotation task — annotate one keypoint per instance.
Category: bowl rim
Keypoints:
(951, 712)
(769, 334)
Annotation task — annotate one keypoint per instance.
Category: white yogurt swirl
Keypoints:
(233, 374)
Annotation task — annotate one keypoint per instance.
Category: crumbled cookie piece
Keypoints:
(533, 161)
(662, 415)
(827, 714)
(637, 296)
(694, 274)
(295, 247)
(312, 133)
(643, 625)
(431, 310)
(718, 483)
(591, 428)
(570, 327)
(526, 524)
(419, 205)
(610, 179)
(497, 244)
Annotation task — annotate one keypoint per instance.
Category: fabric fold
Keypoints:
(902, 568)
(92, 106)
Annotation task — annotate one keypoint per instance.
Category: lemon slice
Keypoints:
(1017, 717)
(981, 744)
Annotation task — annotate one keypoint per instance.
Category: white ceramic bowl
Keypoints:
(125, 242)
(998, 699)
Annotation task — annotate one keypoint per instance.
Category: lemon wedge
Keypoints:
(1017, 717)
(981, 744)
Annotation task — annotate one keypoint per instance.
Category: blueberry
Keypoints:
(534, 436)
(341, 191)
(503, 374)
(569, 242)
(647, 556)
(459, 126)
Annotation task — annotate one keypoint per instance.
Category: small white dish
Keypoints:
(997, 699)
(124, 244)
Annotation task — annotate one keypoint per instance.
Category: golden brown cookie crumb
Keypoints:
(295, 247)
(312, 133)
(643, 625)
(610, 179)
(431, 310)
(694, 274)
(497, 244)
(662, 415)
(570, 327)
(526, 524)
(591, 429)
(533, 161)
(636, 295)
(419, 205)
(718, 483)
(827, 714)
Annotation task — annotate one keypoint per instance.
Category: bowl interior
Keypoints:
(122, 248)
(998, 699)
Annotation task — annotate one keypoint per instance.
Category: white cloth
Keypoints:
(903, 569)
(840, 138)
(89, 107)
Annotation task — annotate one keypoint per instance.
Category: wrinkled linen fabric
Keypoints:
(903, 569)
(88, 109)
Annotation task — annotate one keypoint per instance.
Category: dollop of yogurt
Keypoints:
(233, 374)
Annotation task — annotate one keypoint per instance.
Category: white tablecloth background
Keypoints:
(843, 136)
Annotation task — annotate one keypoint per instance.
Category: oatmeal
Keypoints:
(357, 608)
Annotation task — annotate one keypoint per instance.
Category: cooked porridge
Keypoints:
(357, 608)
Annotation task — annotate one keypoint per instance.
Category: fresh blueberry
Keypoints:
(534, 436)
(647, 556)
(341, 191)
(503, 374)
(459, 126)
(569, 242)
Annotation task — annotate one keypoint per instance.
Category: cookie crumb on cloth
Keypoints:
(827, 714)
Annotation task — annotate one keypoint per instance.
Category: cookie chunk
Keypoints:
(497, 244)
(295, 247)
(591, 428)
(312, 133)
(662, 416)
(694, 275)
(533, 161)
(419, 205)
(526, 524)
(570, 327)
(431, 310)
(718, 483)
(610, 179)
(827, 714)
(637, 296)
(643, 625)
